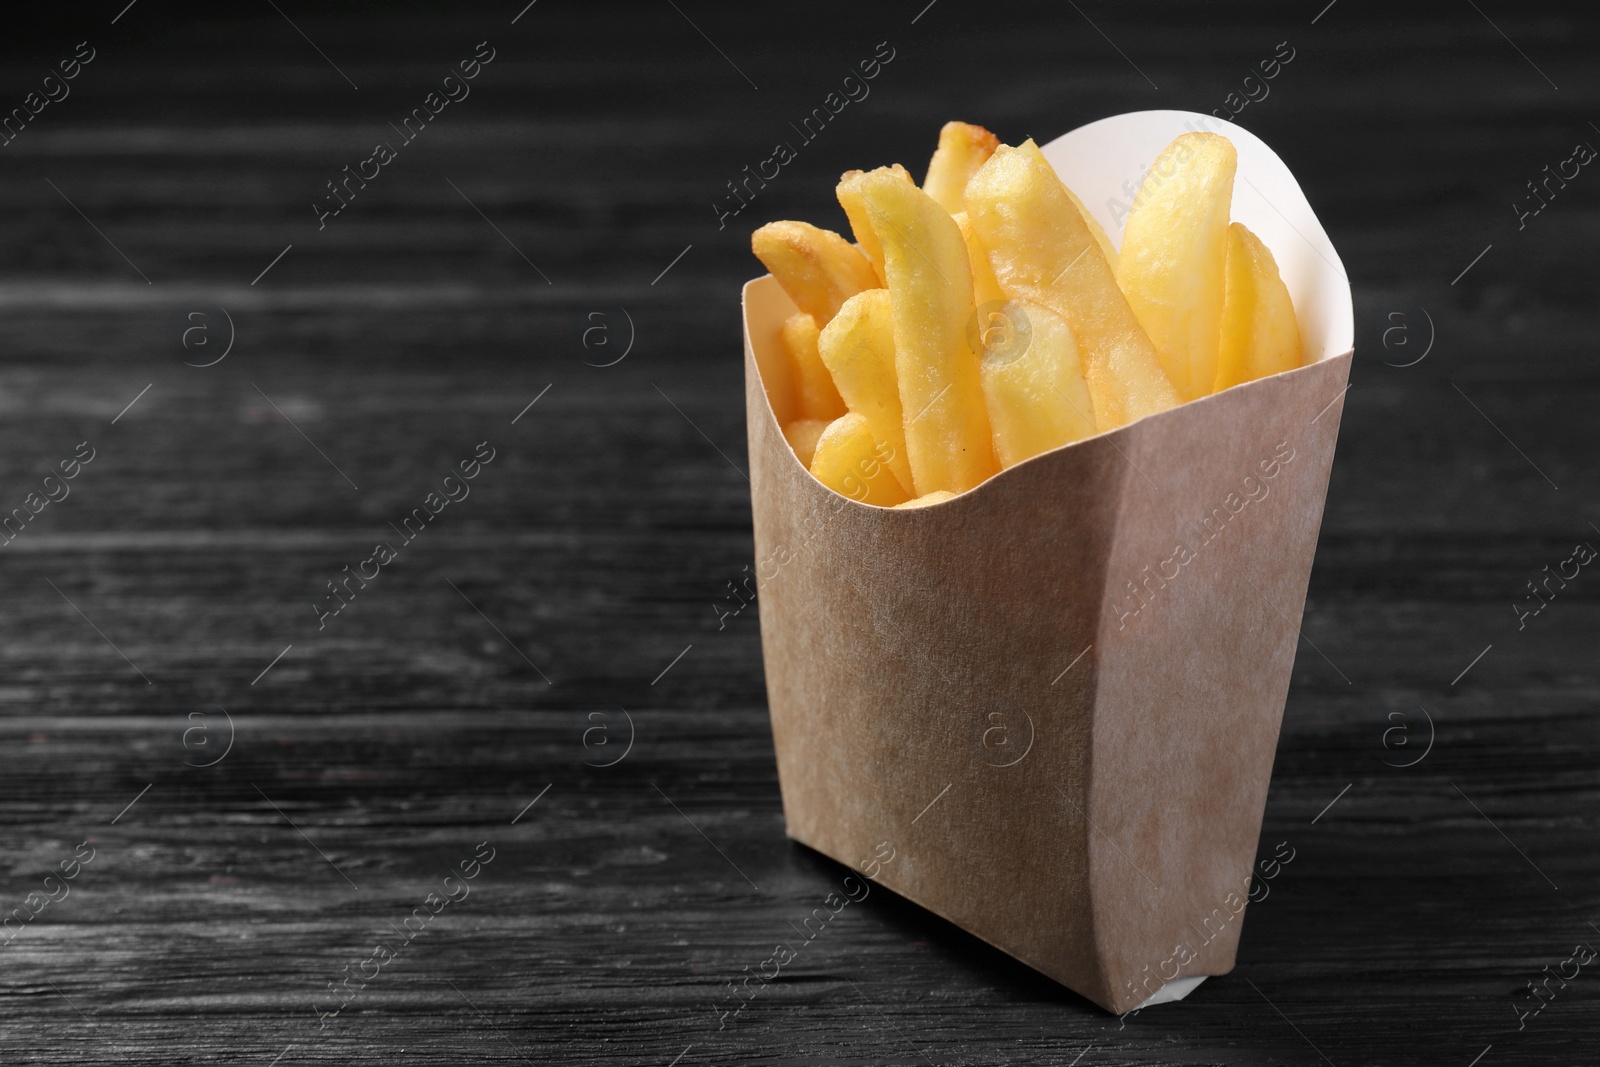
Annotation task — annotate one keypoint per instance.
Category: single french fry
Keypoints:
(849, 461)
(857, 347)
(1260, 335)
(985, 290)
(963, 148)
(802, 435)
(1043, 252)
(1100, 238)
(1099, 231)
(855, 209)
(816, 397)
(1034, 385)
(817, 268)
(938, 496)
(930, 296)
(983, 279)
(1174, 254)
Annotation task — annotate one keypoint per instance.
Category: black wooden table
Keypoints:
(250, 791)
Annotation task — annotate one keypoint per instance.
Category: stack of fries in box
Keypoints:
(985, 317)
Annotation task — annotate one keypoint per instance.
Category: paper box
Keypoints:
(1057, 697)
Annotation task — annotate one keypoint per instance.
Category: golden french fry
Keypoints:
(1095, 228)
(1033, 383)
(1088, 219)
(930, 296)
(938, 496)
(1043, 252)
(850, 462)
(1174, 253)
(855, 209)
(985, 290)
(963, 148)
(802, 435)
(816, 397)
(1259, 333)
(857, 347)
(817, 268)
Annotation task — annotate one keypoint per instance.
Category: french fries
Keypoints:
(986, 317)
(963, 148)
(1033, 383)
(1174, 252)
(855, 209)
(817, 268)
(985, 290)
(1259, 333)
(930, 295)
(1099, 231)
(802, 435)
(850, 462)
(815, 395)
(1042, 251)
(857, 348)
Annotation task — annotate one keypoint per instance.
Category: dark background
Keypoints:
(595, 547)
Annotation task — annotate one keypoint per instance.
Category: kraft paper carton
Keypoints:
(1054, 700)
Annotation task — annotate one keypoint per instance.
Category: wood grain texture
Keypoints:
(379, 751)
